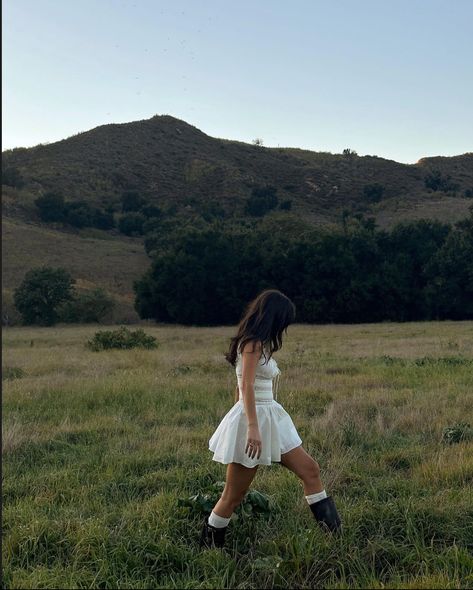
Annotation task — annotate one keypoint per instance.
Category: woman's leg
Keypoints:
(306, 468)
(238, 481)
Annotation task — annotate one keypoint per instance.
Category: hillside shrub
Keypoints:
(261, 200)
(436, 181)
(12, 177)
(51, 207)
(131, 201)
(373, 192)
(131, 224)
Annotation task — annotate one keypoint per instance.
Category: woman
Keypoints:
(257, 430)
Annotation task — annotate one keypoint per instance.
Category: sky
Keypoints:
(392, 78)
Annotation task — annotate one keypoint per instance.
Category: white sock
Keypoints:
(218, 521)
(316, 497)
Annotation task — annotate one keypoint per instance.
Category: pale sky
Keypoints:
(391, 78)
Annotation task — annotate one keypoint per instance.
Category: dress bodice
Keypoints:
(266, 372)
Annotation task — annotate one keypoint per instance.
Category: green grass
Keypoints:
(99, 447)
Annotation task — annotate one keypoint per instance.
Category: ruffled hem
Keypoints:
(277, 430)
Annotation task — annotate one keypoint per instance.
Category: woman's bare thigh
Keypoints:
(300, 462)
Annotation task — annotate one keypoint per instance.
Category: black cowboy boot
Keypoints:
(212, 536)
(326, 514)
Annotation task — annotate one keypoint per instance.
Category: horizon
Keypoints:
(226, 139)
(309, 76)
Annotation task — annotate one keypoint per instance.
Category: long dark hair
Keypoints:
(264, 319)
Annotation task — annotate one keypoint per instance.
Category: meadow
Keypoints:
(100, 448)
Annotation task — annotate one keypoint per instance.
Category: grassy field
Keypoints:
(99, 447)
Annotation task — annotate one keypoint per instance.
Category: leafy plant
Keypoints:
(121, 338)
(253, 503)
(457, 433)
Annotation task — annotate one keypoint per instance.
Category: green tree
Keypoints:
(449, 291)
(131, 201)
(41, 292)
(131, 224)
(12, 177)
(51, 206)
(86, 307)
(79, 214)
(102, 219)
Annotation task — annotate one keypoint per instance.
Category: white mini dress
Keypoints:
(277, 430)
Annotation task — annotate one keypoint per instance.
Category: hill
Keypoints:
(174, 164)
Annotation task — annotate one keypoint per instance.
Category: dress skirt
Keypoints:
(277, 430)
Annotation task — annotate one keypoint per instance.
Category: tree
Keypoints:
(12, 177)
(86, 307)
(79, 214)
(131, 224)
(131, 201)
(449, 292)
(51, 206)
(257, 141)
(102, 219)
(41, 292)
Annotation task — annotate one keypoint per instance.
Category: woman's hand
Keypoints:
(253, 442)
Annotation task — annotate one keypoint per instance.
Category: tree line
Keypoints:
(419, 270)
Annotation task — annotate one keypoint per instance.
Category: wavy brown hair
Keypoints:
(264, 320)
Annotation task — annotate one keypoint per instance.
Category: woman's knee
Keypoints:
(313, 470)
(233, 498)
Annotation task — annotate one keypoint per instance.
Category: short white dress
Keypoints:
(277, 430)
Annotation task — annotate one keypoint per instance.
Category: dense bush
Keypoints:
(261, 200)
(131, 201)
(131, 224)
(51, 206)
(121, 338)
(373, 192)
(12, 177)
(85, 307)
(437, 182)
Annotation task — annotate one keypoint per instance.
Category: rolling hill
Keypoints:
(171, 162)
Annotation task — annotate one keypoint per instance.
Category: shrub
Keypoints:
(373, 192)
(79, 213)
(457, 433)
(51, 206)
(131, 224)
(286, 205)
(121, 338)
(12, 177)
(102, 219)
(85, 307)
(131, 201)
(437, 182)
(261, 200)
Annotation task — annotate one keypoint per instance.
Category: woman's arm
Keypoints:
(250, 362)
